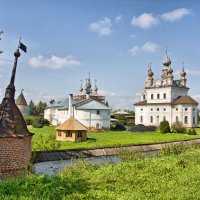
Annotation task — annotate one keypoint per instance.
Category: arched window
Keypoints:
(141, 119)
(151, 119)
(164, 96)
(157, 120)
(176, 118)
(194, 120)
(186, 120)
(164, 118)
(158, 96)
(144, 97)
(151, 96)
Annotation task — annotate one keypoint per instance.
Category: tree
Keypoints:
(164, 127)
(32, 107)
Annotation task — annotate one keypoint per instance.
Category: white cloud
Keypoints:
(54, 62)
(102, 27)
(145, 21)
(118, 19)
(148, 47)
(175, 15)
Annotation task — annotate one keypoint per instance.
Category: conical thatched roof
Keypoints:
(71, 124)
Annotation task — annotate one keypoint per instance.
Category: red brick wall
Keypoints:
(15, 155)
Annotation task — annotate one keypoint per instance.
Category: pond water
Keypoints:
(53, 167)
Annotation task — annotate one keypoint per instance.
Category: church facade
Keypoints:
(88, 107)
(166, 99)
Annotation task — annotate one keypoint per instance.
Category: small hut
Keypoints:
(71, 130)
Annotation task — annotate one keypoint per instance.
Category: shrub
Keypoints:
(164, 127)
(32, 120)
(177, 127)
(36, 124)
(29, 120)
(192, 131)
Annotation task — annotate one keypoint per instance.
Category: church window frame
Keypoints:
(158, 96)
(157, 119)
(151, 119)
(176, 109)
(151, 96)
(151, 109)
(141, 109)
(164, 96)
(186, 120)
(141, 119)
(158, 109)
(194, 120)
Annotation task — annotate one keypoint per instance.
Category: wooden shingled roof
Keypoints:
(185, 100)
(71, 124)
(21, 100)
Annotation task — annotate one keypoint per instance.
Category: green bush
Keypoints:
(177, 127)
(164, 127)
(192, 131)
(29, 120)
(36, 120)
(36, 124)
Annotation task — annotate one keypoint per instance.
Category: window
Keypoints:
(176, 109)
(193, 109)
(144, 97)
(157, 109)
(151, 109)
(164, 109)
(141, 109)
(59, 134)
(141, 119)
(176, 118)
(157, 119)
(186, 120)
(151, 96)
(79, 134)
(194, 120)
(69, 134)
(151, 119)
(186, 109)
(97, 126)
(158, 96)
(164, 96)
(164, 118)
(98, 112)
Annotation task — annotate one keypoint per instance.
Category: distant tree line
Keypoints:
(37, 109)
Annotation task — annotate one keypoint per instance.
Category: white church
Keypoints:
(88, 107)
(166, 99)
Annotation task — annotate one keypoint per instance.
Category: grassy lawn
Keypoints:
(111, 138)
(174, 176)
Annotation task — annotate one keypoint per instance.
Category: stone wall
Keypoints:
(15, 155)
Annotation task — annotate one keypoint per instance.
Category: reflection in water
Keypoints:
(54, 167)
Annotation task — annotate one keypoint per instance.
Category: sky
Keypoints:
(113, 40)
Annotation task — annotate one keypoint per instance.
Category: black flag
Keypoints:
(22, 47)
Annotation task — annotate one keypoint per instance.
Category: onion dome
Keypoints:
(95, 86)
(150, 72)
(166, 61)
(170, 70)
(183, 73)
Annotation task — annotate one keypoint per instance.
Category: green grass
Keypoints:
(112, 138)
(158, 177)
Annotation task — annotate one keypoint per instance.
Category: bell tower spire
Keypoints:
(149, 80)
(183, 79)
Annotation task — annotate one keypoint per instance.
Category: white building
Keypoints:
(166, 99)
(87, 107)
